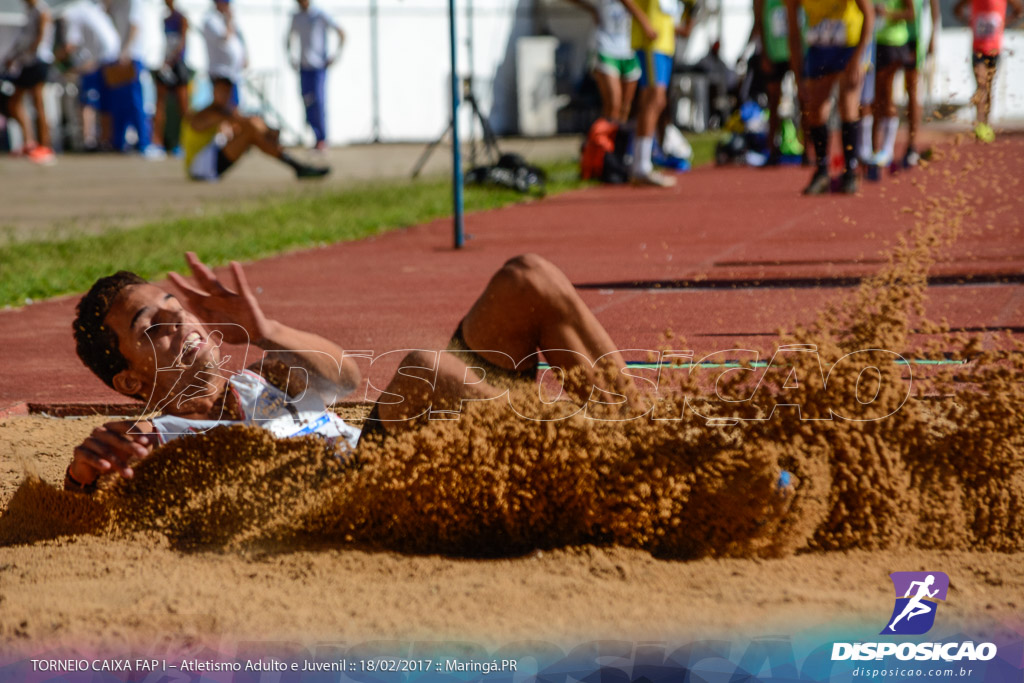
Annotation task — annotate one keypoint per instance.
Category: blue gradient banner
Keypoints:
(769, 659)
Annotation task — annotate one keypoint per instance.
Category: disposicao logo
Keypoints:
(914, 612)
(917, 594)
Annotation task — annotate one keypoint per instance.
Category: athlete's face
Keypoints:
(303, 5)
(163, 343)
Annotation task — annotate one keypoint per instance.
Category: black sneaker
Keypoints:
(873, 173)
(911, 158)
(850, 183)
(820, 183)
(312, 171)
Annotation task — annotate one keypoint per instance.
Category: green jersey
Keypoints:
(774, 33)
(893, 32)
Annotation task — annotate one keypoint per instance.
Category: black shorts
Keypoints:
(373, 427)
(890, 55)
(32, 75)
(174, 76)
(776, 72)
(991, 61)
(911, 63)
(223, 163)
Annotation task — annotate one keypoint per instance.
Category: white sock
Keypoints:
(890, 126)
(866, 148)
(642, 149)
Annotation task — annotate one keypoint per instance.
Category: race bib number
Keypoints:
(827, 33)
(987, 25)
(777, 22)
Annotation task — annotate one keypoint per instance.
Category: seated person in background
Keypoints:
(147, 344)
(215, 138)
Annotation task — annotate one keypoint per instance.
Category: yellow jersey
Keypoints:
(192, 141)
(660, 14)
(832, 23)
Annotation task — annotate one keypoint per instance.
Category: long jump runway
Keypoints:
(724, 260)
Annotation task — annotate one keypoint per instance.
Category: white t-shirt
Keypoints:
(311, 26)
(90, 29)
(264, 405)
(125, 14)
(27, 36)
(613, 31)
(226, 54)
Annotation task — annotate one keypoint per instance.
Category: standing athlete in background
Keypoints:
(654, 39)
(126, 97)
(917, 53)
(772, 26)
(173, 76)
(837, 35)
(310, 24)
(90, 42)
(28, 65)
(226, 53)
(987, 19)
(891, 55)
(616, 67)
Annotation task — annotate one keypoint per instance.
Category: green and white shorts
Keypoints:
(626, 69)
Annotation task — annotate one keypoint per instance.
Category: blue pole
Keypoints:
(456, 151)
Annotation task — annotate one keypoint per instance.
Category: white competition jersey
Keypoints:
(264, 405)
(612, 36)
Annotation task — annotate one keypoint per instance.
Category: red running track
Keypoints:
(758, 256)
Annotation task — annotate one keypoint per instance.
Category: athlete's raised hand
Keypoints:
(215, 303)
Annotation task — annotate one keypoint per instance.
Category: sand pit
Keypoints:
(500, 530)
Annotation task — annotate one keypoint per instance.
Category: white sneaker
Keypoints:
(655, 178)
(154, 153)
(882, 159)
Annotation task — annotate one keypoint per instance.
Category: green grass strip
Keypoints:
(32, 271)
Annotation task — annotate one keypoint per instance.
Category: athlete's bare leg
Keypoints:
(528, 305)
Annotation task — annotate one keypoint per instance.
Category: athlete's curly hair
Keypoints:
(97, 344)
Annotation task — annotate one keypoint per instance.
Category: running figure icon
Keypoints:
(916, 606)
(917, 594)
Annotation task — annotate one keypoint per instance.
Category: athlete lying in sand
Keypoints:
(149, 344)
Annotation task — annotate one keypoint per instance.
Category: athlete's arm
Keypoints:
(1017, 12)
(936, 24)
(796, 57)
(910, 588)
(960, 11)
(332, 374)
(867, 30)
(905, 14)
(44, 21)
(855, 69)
(288, 39)
(755, 30)
(184, 37)
(640, 18)
(341, 44)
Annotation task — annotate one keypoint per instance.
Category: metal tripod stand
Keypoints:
(490, 141)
